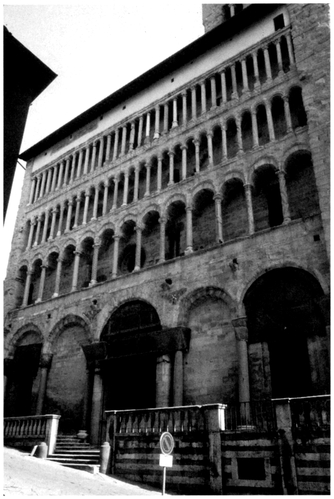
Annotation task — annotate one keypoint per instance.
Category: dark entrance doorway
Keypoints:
(282, 312)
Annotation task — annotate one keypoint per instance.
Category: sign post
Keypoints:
(166, 460)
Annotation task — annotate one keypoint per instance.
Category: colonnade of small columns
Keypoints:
(228, 84)
(213, 142)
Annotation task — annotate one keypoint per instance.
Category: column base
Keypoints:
(188, 250)
(54, 295)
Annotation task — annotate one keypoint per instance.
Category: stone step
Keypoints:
(72, 460)
(90, 455)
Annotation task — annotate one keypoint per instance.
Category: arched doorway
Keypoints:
(287, 335)
(129, 373)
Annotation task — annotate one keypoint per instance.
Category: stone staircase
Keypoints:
(70, 451)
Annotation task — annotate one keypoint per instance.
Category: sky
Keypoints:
(95, 49)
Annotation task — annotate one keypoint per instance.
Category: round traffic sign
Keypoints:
(166, 443)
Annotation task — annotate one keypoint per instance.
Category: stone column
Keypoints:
(115, 152)
(223, 80)
(178, 379)
(290, 49)
(44, 365)
(45, 228)
(219, 218)
(148, 127)
(53, 223)
(95, 262)
(267, 64)
(159, 179)
(73, 168)
(157, 123)
(100, 159)
(96, 200)
(244, 76)
(86, 165)
(69, 215)
(166, 112)
(248, 192)
(7, 373)
(96, 407)
(32, 190)
(171, 167)
(116, 181)
(115, 256)
(132, 136)
(241, 332)
(39, 179)
(279, 57)
(27, 288)
(224, 140)
(126, 188)
(136, 186)
(108, 147)
(203, 97)
(148, 180)
(184, 107)
(79, 163)
(163, 381)
(175, 122)
(193, 102)
(58, 274)
(67, 167)
(284, 197)
(54, 178)
(60, 223)
(87, 196)
(140, 130)
(189, 247)
(256, 70)
(138, 248)
(123, 140)
(105, 198)
(213, 92)
(239, 135)
(210, 148)
(60, 176)
(39, 220)
(255, 131)
(184, 161)
(75, 271)
(41, 284)
(234, 83)
(41, 194)
(162, 222)
(270, 121)
(77, 211)
(31, 232)
(287, 114)
(92, 165)
(48, 181)
(196, 144)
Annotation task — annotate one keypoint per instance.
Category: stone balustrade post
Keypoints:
(214, 416)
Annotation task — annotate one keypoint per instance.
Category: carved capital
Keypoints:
(240, 328)
(45, 360)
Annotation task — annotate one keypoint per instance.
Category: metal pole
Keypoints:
(164, 481)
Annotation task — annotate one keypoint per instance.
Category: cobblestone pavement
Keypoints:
(29, 476)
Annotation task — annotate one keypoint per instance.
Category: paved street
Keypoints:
(29, 476)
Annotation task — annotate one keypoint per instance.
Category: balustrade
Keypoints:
(30, 430)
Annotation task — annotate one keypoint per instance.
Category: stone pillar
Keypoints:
(86, 165)
(79, 163)
(36, 196)
(255, 131)
(115, 151)
(60, 222)
(41, 284)
(100, 159)
(162, 222)
(39, 220)
(210, 149)
(256, 70)
(279, 57)
(54, 179)
(290, 49)
(196, 144)
(44, 365)
(219, 218)
(87, 196)
(270, 121)
(248, 192)
(148, 126)
(45, 228)
(163, 381)
(58, 274)
(175, 122)
(105, 198)
(108, 147)
(73, 168)
(76, 271)
(95, 261)
(223, 80)
(166, 112)
(140, 130)
(77, 211)
(157, 123)
(193, 102)
(148, 180)
(67, 167)
(31, 232)
(244, 76)
(234, 83)
(189, 247)
(224, 140)
(123, 140)
(171, 167)
(178, 379)
(53, 223)
(239, 136)
(60, 176)
(267, 64)
(7, 372)
(96, 407)
(284, 197)
(241, 332)
(159, 179)
(132, 136)
(96, 200)
(203, 97)
(215, 424)
(213, 92)
(48, 181)
(115, 256)
(184, 107)
(136, 186)
(184, 161)
(41, 194)
(27, 288)
(116, 181)
(92, 165)
(138, 248)
(32, 190)
(126, 188)
(69, 215)
(287, 114)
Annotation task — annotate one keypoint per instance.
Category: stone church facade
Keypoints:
(172, 242)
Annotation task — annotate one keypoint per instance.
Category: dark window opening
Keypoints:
(279, 22)
(250, 468)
